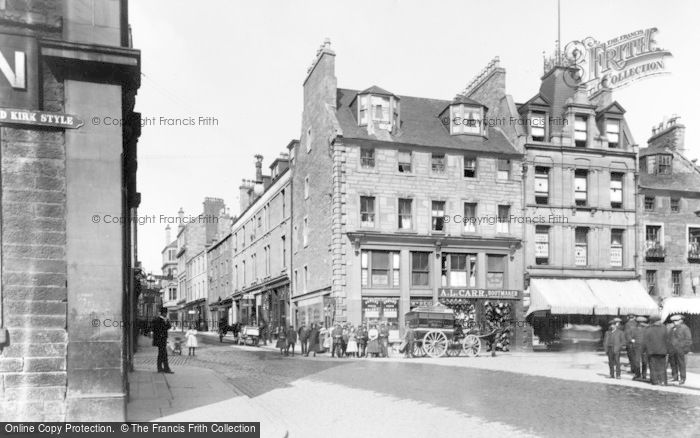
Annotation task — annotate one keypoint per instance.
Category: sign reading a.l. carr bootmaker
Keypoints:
(494, 294)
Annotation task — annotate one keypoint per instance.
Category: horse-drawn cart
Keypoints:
(435, 334)
(249, 334)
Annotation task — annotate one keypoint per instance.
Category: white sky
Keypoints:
(244, 63)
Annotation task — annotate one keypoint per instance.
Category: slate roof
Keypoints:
(376, 90)
(421, 125)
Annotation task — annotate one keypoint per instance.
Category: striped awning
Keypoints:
(683, 305)
(576, 296)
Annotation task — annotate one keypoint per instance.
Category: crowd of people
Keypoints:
(650, 345)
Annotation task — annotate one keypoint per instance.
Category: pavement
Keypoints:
(512, 394)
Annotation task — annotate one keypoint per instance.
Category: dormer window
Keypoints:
(466, 119)
(378, 107)
(612, 132)
(537, 126)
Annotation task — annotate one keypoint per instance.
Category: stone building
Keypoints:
(220, 274)
(402, 201)
(168, 270)
(580, 186)
(261, 237)
(68, 190)
(669, 235)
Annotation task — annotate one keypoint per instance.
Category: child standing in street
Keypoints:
(192, 344)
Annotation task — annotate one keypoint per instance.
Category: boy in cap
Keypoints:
(680, 340)
(612, 344)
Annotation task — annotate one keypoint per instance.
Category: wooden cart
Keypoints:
(249, 334)
(434, 328)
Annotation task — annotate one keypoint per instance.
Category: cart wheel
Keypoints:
(471, 345)
(418, 350)
(435, 343)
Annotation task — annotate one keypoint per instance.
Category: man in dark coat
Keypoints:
(630, 329)
(337, 336)
(362, 338)
(409, 339)
(304, 339)
(161, 325)
(314, 339)
(656, 348)
(680, 340)
(612, 344)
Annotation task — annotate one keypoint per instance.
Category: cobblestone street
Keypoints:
(309, 397)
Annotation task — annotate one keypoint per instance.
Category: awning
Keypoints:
(587, 297)
(687, 305)
(622, 298)
(561, 297)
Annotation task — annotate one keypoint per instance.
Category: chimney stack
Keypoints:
(668, 134)
(181, 216)
(167, 235)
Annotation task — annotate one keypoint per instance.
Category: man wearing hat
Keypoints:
(612, 344)
(161, 325)
(640, 358)
(630, 330)
(680, 340)
(655, 346)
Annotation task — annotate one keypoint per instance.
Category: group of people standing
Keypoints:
(650, 345)
(342, 340)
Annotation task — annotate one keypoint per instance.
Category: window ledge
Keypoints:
(411, 174)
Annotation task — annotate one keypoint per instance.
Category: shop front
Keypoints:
(485, 310)
(378, 310)
(575, 312)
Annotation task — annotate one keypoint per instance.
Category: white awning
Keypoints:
(577, 296)
(561, 297)
(622, 298)
(687, 305)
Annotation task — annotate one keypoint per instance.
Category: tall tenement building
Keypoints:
(68, 181)
(580, 184)
(669, 235)
(401, 201)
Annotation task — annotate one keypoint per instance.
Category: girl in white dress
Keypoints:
(191, 336)
(352, 343)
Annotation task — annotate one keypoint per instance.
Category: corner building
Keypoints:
(67, 271)
(397, 200)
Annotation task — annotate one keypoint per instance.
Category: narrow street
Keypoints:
(348, 398)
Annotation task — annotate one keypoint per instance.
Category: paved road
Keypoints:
(517, 403)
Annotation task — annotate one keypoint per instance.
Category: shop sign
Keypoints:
(370, 307)
(39, 118)
(499, 294)
(391, 308)
(421, 302)
(19, 65)
(248, 296)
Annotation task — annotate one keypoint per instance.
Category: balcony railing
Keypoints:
(654, 251)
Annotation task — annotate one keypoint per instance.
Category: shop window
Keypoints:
(537, 126)
(495, 276)
(503, 223)
(581, 250)
(694, 244)
(616, 189)
(367, 157)
(438, 216)
(612, 132)
(503, 173)
(470, 167)
(677, 282)
(541, 245)
(405, 161)
(367, 211)
(420, 269)
(469, 217)
(675, 205)
(542, 185)
(380, 268)
(616, 247)
(437, 163)
(405, 214)
(458, 270)
(581, 187)
(649, 203)
(580, 131)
